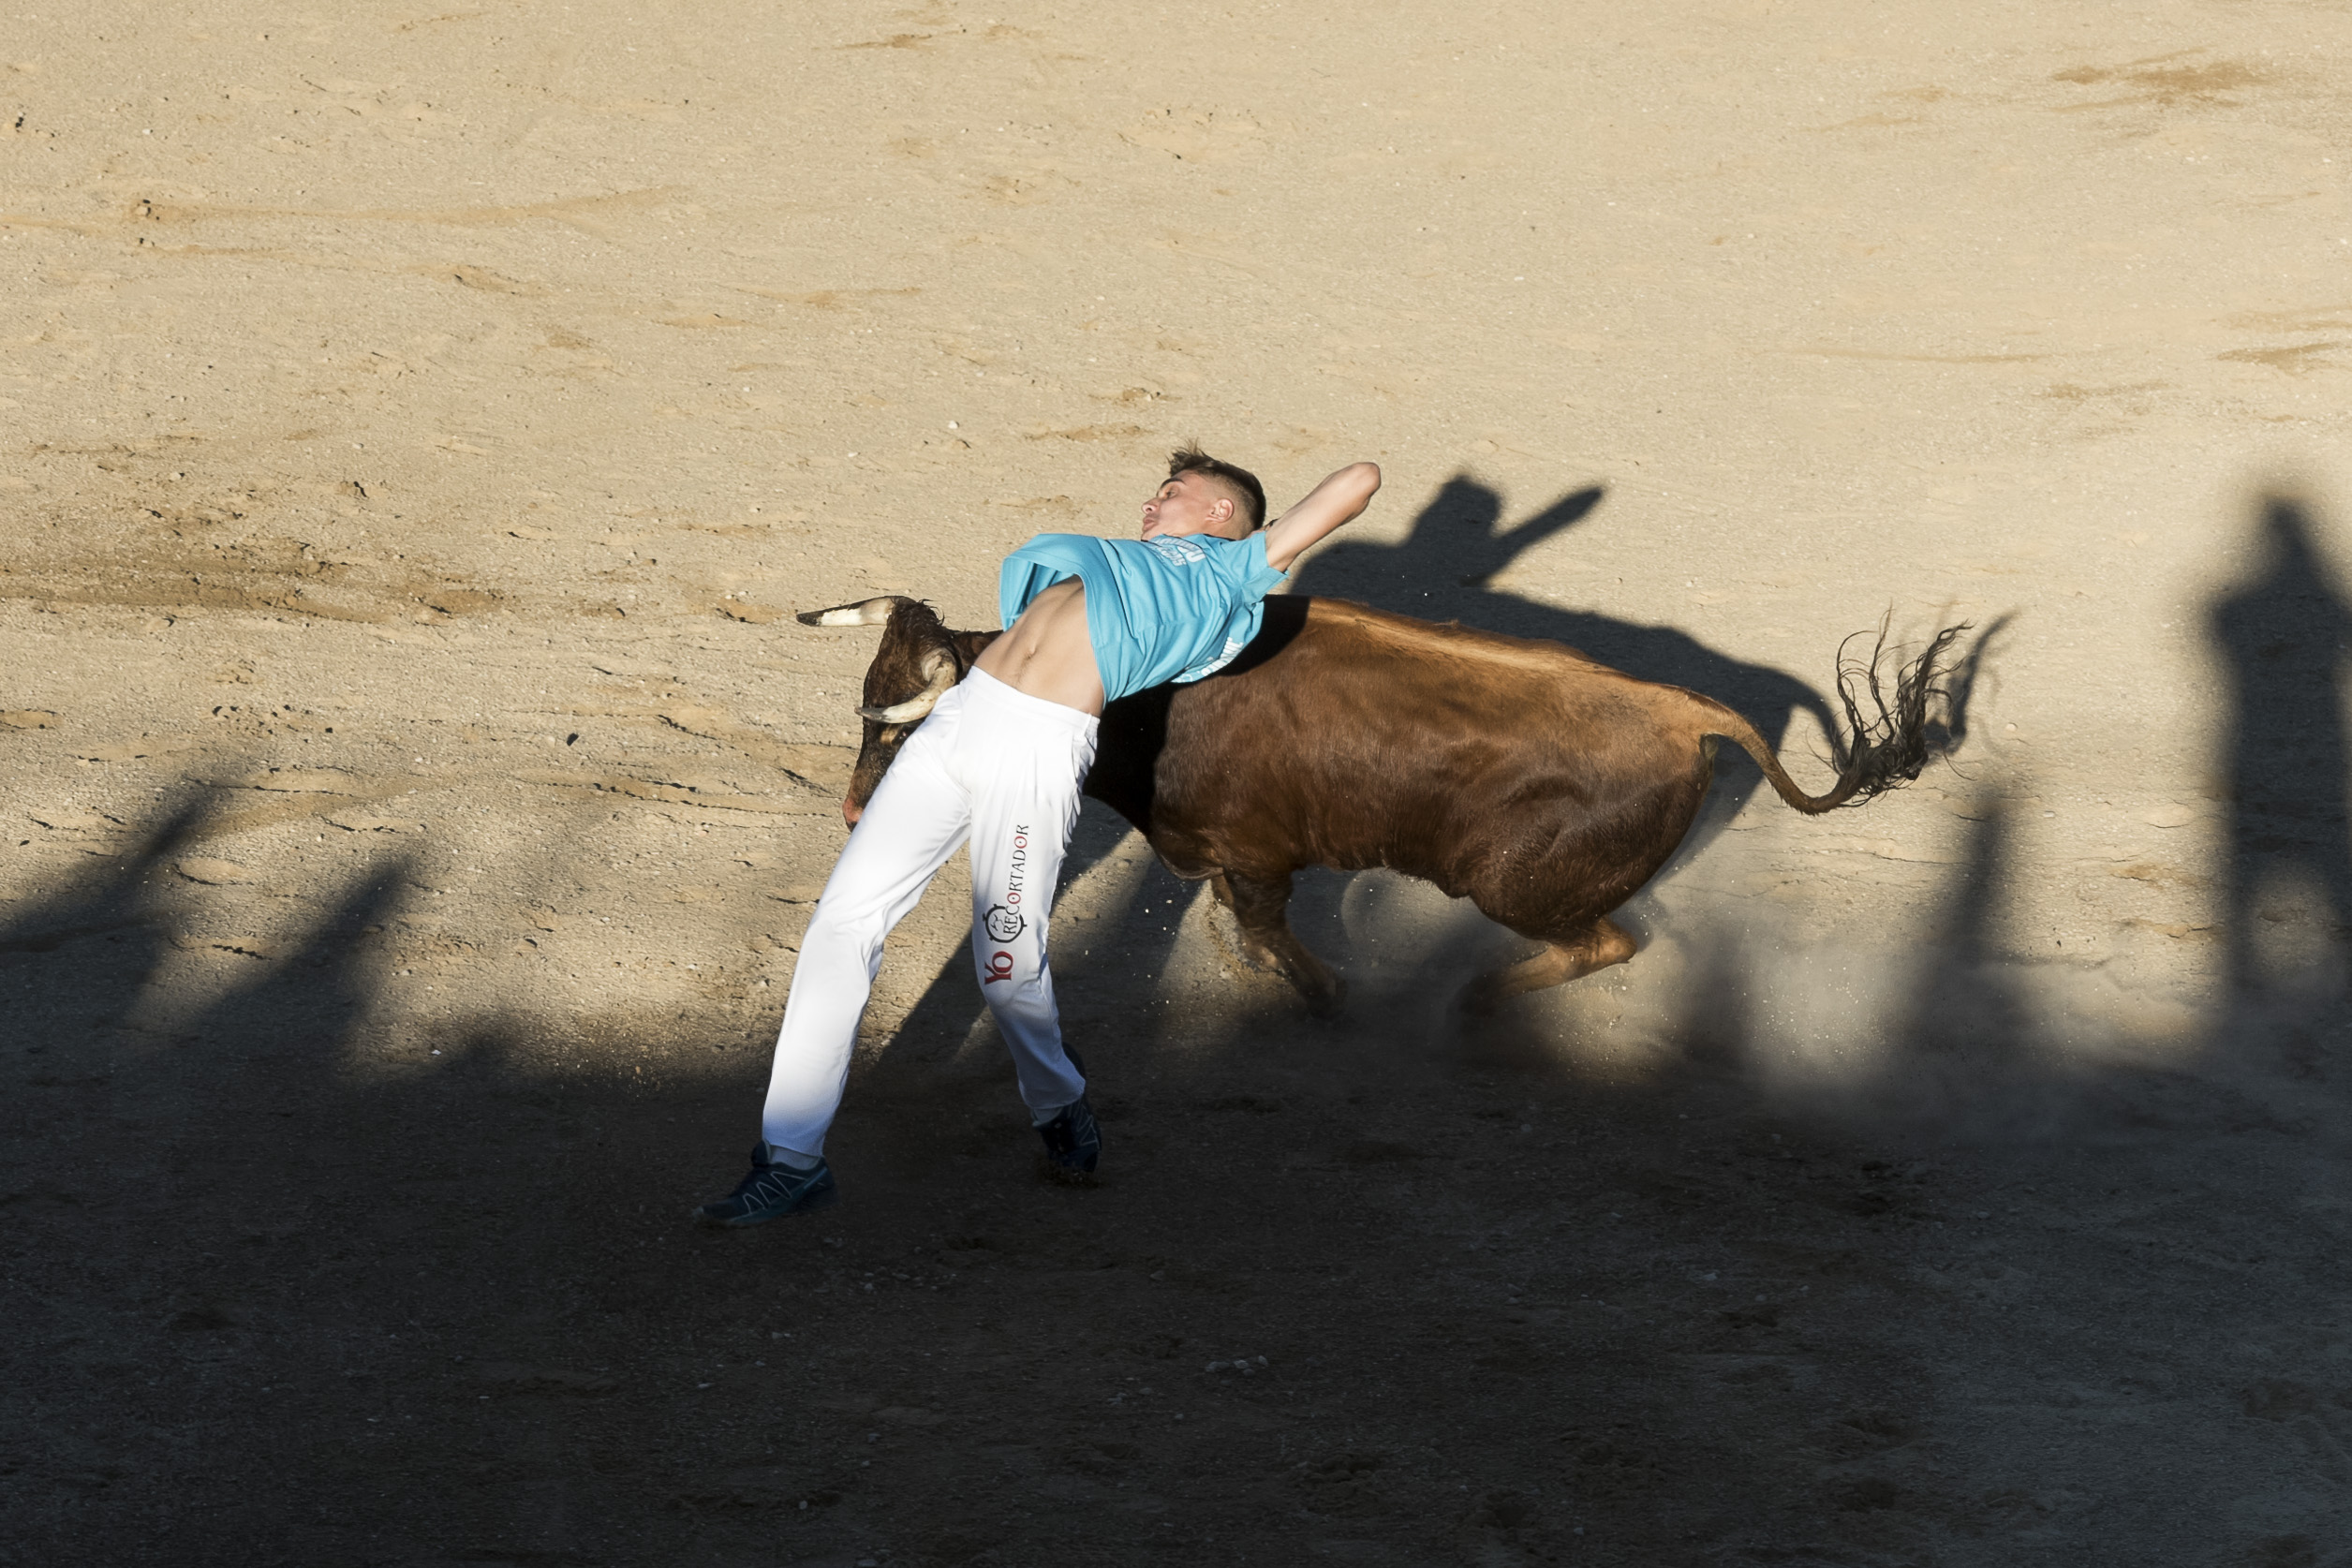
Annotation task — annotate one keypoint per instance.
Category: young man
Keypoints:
(998, 763)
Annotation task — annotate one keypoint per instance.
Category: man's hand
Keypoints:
(1338, 500)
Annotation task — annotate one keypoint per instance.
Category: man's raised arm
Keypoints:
(1338, 500)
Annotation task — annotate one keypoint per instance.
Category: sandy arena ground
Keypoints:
(417, 426)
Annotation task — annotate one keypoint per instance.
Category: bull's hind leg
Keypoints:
(1564, 959)
(1260, 905)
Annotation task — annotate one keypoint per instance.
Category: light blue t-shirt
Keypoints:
(1175, 608)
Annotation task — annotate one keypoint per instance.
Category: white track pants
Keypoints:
(992, 766)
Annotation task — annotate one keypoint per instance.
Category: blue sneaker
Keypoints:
(769, 1193)
(1072, 1142)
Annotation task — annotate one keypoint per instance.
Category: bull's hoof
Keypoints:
(1481, 999)
(1326, 1001)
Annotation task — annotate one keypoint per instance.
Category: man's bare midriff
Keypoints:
(1047, 653)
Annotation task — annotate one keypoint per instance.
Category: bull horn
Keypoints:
(864, 612)
(942, 673)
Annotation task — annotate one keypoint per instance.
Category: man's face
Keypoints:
(1193, 503)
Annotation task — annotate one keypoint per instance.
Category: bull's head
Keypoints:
(919, 659)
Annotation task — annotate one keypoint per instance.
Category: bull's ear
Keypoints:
(865, 612)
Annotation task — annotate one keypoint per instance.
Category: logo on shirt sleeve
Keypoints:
(1178, 549)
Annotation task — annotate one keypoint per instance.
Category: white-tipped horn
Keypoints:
(865, 611)
(939, 671)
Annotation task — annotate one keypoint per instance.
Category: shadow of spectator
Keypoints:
(305, 1265)
(1965, 1035)
(2286, 865)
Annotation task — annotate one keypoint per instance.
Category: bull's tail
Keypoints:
(1878, 753)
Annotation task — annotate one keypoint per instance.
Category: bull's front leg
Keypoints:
(1261, 905)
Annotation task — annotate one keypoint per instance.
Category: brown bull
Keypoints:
(1520, 775)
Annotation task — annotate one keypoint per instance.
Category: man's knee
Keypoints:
(849, 923)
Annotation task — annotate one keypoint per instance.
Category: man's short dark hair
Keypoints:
(1190, 459)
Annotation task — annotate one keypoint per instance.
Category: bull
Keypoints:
(1539, 784)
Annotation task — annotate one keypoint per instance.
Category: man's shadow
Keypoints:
(1444, 569)
(2286, 864)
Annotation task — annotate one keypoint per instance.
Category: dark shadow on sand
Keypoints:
(2284, 636)
(284, 1287)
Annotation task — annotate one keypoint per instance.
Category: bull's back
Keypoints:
(1364, 738)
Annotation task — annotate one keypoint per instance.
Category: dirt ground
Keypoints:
(417, 427)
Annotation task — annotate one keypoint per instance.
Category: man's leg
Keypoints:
(1023, 784)
(918, 817)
